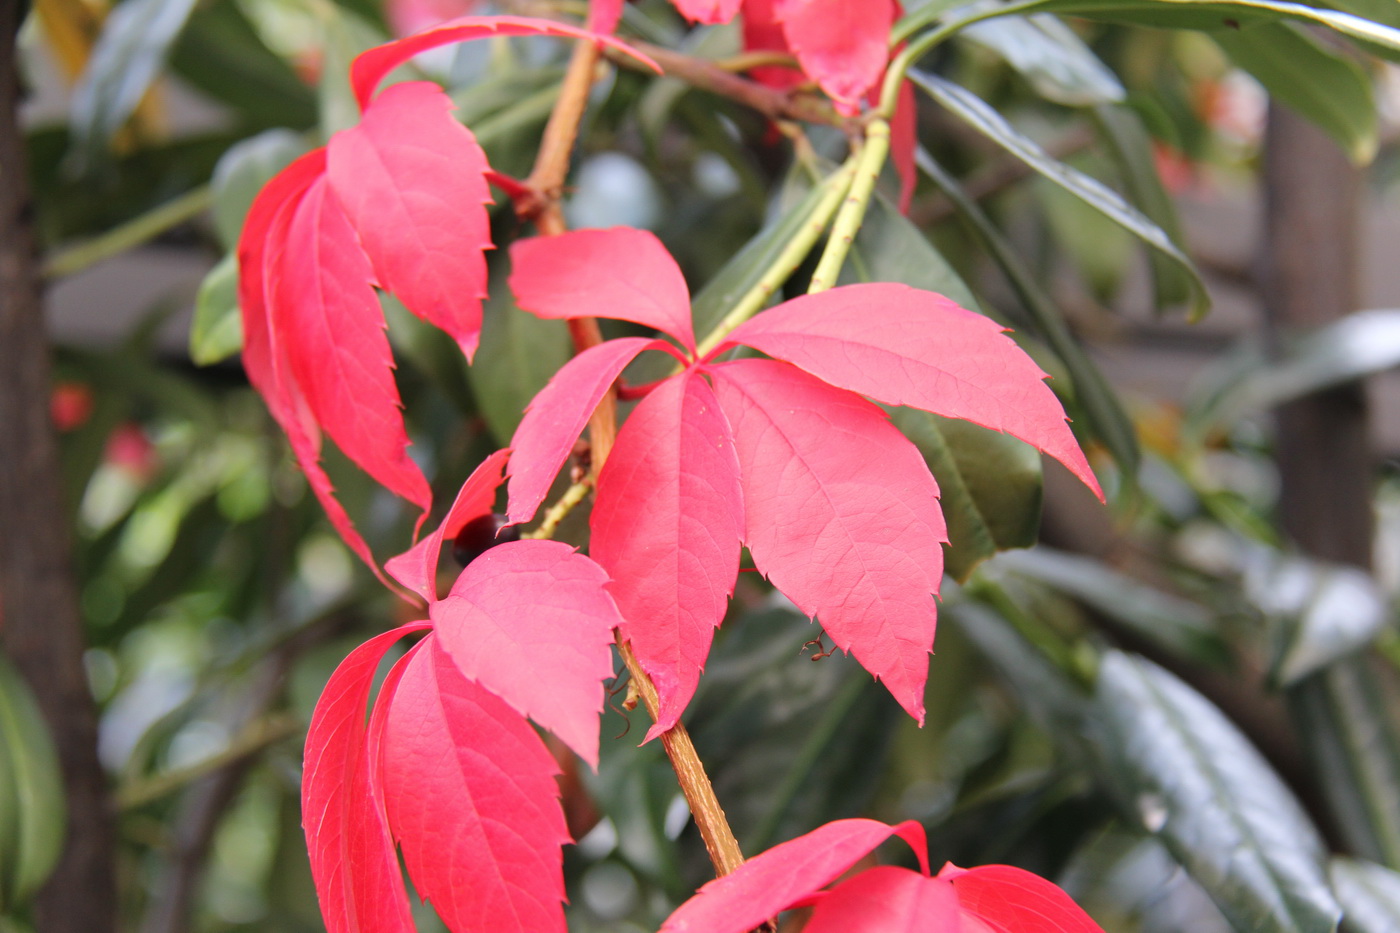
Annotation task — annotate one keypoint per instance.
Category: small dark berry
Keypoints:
(479, 535)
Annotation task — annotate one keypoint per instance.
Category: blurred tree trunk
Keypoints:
(1309, 276)
(42, 629)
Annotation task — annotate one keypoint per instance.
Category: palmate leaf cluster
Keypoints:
(1069, 727)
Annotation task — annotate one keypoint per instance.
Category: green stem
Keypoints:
(256, 737)
(788, 260)
(869, 162)
(560, 510)
(135, 232)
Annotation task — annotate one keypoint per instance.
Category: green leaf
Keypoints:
(1370, 896)
(978, 114)
(1099, 403)
(1220, 14)
(221, 54)
(1196, 783)
(1183, 628)
(1052, 57)
(518, 354)
(241, 173)
(1327, 88)
(1128, 144)
(127, 57)
(990, 486)
(345, 36)
(1359, 345)
(889, 248)
(35, 791)
(1320, 612)
(217, 330)
(1347, 721)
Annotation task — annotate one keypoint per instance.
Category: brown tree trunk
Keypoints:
(41, 629)
(1309, 277)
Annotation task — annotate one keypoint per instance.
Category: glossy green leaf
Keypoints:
(1348, 723)
(1126, 141)
(1327, 88)
(241, 173)
(990, 486)
(978, 114)
(1196, 783)
(1051, 56)
(519, 353)
(1369, 894)
(1096, 400)
(1181, 627)
(129, 54)
(34, 790)
(1217, 14)
(1320, 612)
(1359, 345)
(217, 330)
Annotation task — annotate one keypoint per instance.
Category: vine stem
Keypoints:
(135, 232)
(868, 163)
(547, 181)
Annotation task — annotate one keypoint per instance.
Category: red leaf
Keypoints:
(763, 33)
(532, 622)
(841, 45)
(708, 11)
(471, 796)
(603, 15)
(416, 568)
(1010, 900)
(323, 303)
(264, 354)
(785, 874)
(621, 273)
(841, 514)
(904, 346)
(370, 67)
(557, 415)
(352, 855)
(412, 180)
(887, 900)
(904, 144)
(666, 527)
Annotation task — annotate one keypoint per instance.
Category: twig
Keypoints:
(135, 232)
(868, 164)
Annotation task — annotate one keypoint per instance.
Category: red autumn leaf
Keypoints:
(416, 568)
(556, 416)
(904, 144)
(763, 33)
(621, 273)
(666, 527)
(264, 352)
(843, 46)
(328, 312)
(603, 15)
(370, 67)
(708, 11)
(887, 900)
(353, 861)
(412, 180)
(471, 797)
(841, 514)
(532, 622)
(784, 875)
(1012, 900)
(904, 346)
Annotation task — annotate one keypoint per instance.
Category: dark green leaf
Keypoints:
(217, 330)
(889, 248)
(1097, 400)
(1129, 145)
(990, 485)
(1370, 896)
(128, 55)
(1196, 783)
(1327, 88)
(1181, 627)
(518, 354)
(1348, 724)
(978, 114)
(241, 173)
(1052, 57)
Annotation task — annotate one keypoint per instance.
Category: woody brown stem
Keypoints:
(542, 205)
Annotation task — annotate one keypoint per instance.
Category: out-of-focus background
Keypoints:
(1252, 549)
